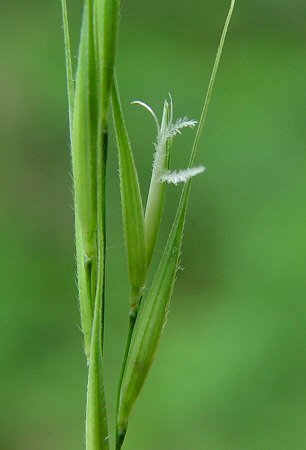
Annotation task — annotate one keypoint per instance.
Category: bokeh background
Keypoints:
(231, 370)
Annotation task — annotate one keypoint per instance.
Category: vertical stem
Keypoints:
(96, 419)
(84, 290)
(120, 437)
(101, 186)
(132, 320)
(69, 70)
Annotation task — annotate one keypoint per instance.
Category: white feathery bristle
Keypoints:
(175, 128)
(168, 132)
(165, 131)
(180, 176)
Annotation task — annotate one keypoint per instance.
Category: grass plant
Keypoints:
(90, 95)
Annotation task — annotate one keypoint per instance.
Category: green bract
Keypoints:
(151, 320)
(132, 209)
(84, 137)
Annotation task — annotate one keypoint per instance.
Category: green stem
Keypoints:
(211, 84)
(119, 436)
(69, 70)
(96, 418)
(132, 320)
(101, 187)
(85, 296)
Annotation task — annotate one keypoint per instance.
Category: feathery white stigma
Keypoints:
(180, 176)
(175, 128)
(166, 130)
(166, 133)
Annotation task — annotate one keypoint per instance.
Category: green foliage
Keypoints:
(88, 111)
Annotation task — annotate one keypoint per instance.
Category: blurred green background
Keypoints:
(231, 370)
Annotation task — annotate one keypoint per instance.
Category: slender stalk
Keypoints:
(211, 83)
(69, 70)
(96, 419)
(85, 291)
(119, 436)
(132, 321)
(101, 229)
